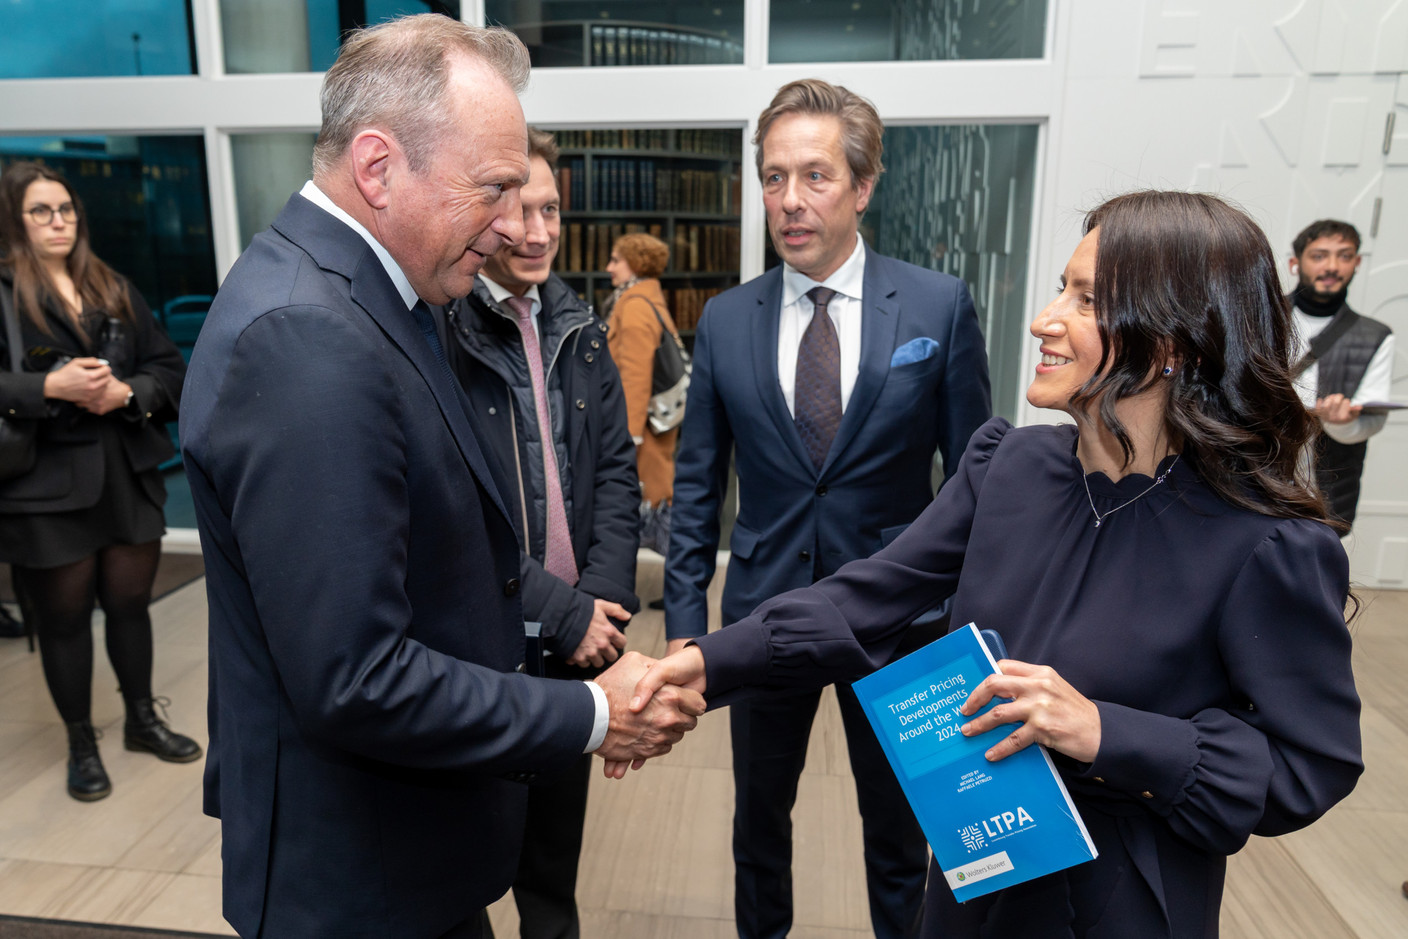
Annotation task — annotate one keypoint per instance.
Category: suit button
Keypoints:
(821, 489)
(581, 405)
(601, 326)
(595, 344)
(1098, 779)
(804, 555)
(493, 410)
(511, 587)
(1147, 794)
(589, 357)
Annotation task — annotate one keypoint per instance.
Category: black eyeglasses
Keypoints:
(44, 214)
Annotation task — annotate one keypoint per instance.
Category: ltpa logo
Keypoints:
(973, 839)
(1004, 822)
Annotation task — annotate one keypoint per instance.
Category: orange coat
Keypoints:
(633, 337)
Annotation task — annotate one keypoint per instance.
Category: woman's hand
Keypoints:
(1051, 712)
(82, 381)
(113, 396)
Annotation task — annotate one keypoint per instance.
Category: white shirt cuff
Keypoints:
(602, 720)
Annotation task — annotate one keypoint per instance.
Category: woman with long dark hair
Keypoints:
(100, 380)
(1162, 572)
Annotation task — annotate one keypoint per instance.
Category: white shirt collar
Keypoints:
(847, 280)
(393, 270)
(501, 293)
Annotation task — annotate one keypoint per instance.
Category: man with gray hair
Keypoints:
(370, 739)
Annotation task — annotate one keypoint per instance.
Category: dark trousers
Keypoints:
(770, 734)
(476, 927)
(545, 887)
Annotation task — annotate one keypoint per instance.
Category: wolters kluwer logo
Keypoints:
(961, 877)
(973, 839)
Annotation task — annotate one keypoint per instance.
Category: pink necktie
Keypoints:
(557, 554)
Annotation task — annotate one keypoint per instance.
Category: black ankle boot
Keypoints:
(146, 732)
(87, 780)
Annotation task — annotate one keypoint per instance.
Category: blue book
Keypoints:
(990, 825)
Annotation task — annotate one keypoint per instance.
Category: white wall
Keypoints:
(1279, 105)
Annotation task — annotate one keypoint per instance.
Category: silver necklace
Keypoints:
(1091, 499)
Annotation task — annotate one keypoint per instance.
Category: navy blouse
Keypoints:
(1212, 640)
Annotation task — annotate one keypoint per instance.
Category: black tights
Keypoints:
(120, 578)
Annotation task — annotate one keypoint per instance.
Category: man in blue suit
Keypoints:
(832, 379)
(369, 737)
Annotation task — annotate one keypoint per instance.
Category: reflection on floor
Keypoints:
(657, 862)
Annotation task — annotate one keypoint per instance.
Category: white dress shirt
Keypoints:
(1376, 385)
(844, 309)
(500, 294)
(403, 286)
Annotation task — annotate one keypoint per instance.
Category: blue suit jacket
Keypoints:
(793, 521)
(368, 738)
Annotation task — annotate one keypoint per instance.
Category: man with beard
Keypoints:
(1344, 359)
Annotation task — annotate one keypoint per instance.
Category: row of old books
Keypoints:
(643, 186)
(687, 140)
(586, 246)
(635, 45)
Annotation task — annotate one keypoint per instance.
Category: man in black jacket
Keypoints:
(531, 355)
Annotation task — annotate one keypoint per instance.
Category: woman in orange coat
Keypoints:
(637, 319)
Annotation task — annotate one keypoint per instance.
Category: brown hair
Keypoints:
(862, 132)
(1186, 279)
(645, 254)
(544, 145)
(98, 285)
(1325, 228)
(394, 75)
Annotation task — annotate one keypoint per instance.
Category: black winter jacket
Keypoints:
(595, 455)
(69, 472)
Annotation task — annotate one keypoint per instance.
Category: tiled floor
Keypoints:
(656, 864)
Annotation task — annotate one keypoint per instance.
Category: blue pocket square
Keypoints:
(916, 350)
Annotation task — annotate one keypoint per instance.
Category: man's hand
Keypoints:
(1336, 409)
(637, 733)
(603, 640)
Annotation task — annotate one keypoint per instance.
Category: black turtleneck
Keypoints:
(1308, 302)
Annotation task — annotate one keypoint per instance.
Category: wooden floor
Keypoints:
(657, 862)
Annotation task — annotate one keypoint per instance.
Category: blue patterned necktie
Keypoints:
(427, 328)
(817, 398)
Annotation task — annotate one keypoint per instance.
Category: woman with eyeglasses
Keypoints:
(100, 380)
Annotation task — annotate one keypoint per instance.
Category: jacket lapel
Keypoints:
(765, 325)
(880, 317)
(339, 249)
(373, 291)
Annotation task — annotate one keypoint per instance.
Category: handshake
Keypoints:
(653, 704)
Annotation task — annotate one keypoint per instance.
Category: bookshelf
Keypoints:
(681, 185)
(613, 43)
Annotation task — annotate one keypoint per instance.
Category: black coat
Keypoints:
(69, 471)
(603, 502)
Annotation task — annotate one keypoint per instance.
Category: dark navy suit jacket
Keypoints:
(368, 737)
(793, 521)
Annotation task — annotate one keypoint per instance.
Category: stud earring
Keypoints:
(1168, 370)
